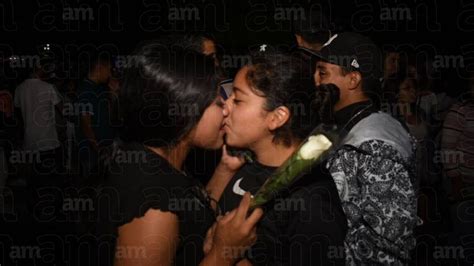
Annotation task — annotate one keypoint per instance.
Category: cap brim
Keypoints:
(312, 52)
(325, 55)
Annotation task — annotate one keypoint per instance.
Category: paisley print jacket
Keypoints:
(374, 174)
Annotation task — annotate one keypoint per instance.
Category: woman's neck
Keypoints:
(175, 155)
(272, 154)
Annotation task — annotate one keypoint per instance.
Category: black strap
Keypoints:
(365, 113)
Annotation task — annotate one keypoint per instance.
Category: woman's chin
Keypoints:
(229, 140)
(210, 144)
(217, 145)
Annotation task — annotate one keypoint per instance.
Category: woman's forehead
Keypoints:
(241, 84)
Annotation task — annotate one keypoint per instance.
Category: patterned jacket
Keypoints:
(374, 174)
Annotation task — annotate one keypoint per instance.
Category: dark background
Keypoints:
(443, 28)
(440, 26)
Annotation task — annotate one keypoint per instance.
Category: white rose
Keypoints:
(314, 147)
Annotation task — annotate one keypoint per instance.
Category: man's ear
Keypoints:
(278, 117)
(355, 79)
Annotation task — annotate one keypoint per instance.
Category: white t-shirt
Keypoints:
(37, 99)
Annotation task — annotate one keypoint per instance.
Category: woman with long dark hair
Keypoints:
(157, 213)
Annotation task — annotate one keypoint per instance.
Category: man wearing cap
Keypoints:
(373, 167)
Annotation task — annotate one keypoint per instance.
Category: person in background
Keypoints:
(311, 30)
(457, 145)
(72, 121)
(39, 104)
(202, 43)
(113, 87)
(410, 113)
(426, 98)
(446, 88)
(95, 130)
(415, 120)
(391, 65)
(390, 81)
(373, 168)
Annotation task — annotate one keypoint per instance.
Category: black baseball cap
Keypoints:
(355, 52)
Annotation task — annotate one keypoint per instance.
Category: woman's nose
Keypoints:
(225, 110)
